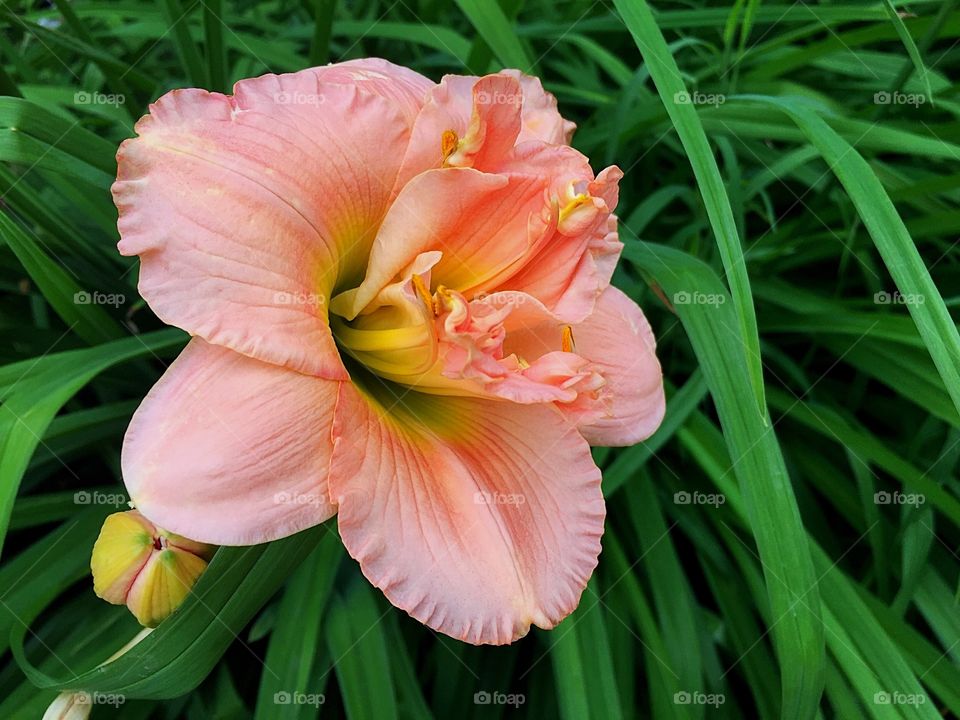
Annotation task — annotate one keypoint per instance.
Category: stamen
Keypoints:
(576, 202)
(566, 339)
(443, 300)
(424, 292)
(448, 144)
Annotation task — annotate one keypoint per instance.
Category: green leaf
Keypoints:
(494, 27)
(926, 306)
(295, 644)
(910, 46)
(358, 650)
(774, 518)
(582, 664)
(666, 75)
(75, 305)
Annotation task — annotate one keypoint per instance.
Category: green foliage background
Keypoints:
(792, 189)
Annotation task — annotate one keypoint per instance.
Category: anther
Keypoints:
(424, 292)
(448, 144)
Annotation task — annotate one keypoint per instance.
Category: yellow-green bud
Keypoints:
(149, 570)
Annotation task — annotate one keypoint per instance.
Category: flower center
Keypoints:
(446, 323)
(441, 343)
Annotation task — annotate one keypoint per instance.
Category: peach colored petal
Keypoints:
(475, 346)
(479, 222)
(617, 344)
(475, 548)
(408, 89)
(488, 115)
(405, 89)
(541, 119)
(544, 226)
(248, 211)
(465, 122)
(229, 450)
(494, 124)
(573, 259)
(618, 341)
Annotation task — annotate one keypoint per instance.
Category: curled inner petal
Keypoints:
(442, 343)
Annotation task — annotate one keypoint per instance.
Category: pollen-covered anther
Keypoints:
(446, 300)
(577, 211)
(424, 292)
(567, 343)
(449, 142)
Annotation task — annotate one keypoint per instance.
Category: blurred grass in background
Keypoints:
(790, 211)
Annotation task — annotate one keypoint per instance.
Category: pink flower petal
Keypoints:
(478, 221)
(483, 115)
(542, 225)
(489, 115)
(249, 211)
(476, 346)
(479, 518)
(229, 450)
(408, 89)
(618, 340)
(574, 259)
(617, 344)
(541, 119)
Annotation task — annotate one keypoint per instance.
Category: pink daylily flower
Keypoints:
(400, 302)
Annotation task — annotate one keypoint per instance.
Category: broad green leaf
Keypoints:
(75, 305)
